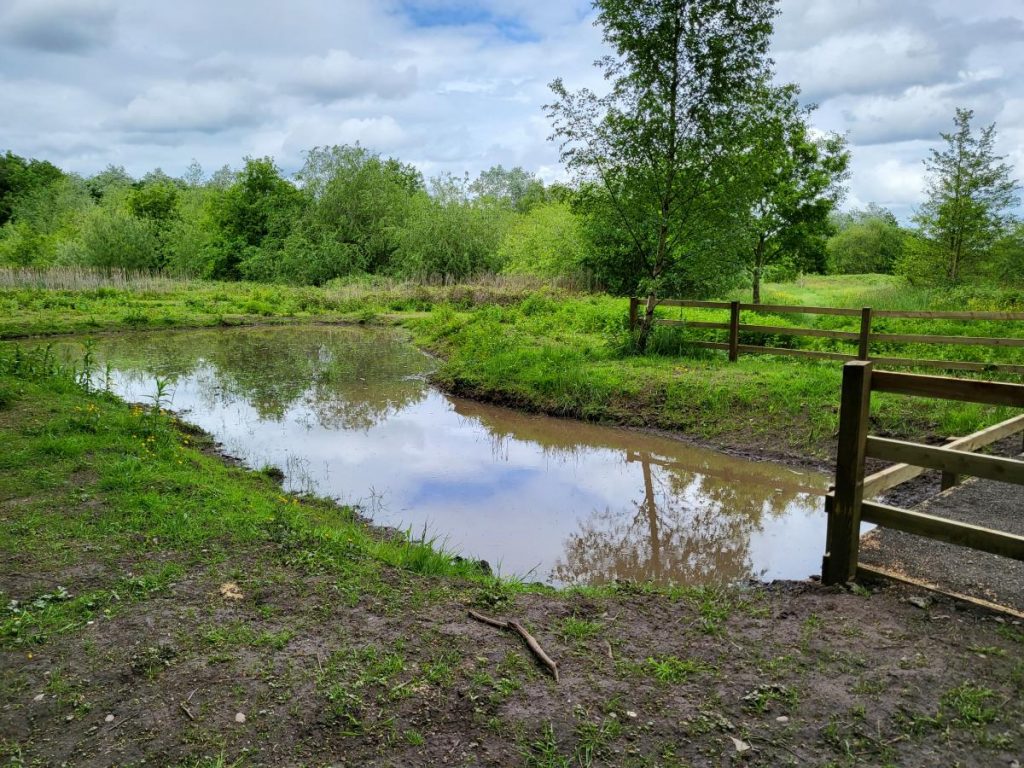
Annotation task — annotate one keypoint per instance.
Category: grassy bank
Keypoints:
(73, 301)
(162, 606)
(520, 342)
(573, 357)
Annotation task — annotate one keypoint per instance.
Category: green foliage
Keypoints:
(114, 238)
(448, 236)
(252, 218)
(20, 177)
(515, 188)
(658, 155)
(867, 241)
(547, 241)
(970, 192)
(796, 183)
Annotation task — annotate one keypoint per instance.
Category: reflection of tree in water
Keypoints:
(348, 378)
(688, 528)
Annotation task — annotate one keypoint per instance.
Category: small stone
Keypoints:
(69, 718)
(741, 746)
(39, 697)
(919, 602)
(630, 713)
(108, 719)
(781, 719)
(240, 717)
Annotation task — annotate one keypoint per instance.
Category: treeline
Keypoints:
(348, 211)
(351, 212)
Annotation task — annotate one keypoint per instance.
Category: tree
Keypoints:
(867, 241)
(662, 144)
(448, 234)
(20, 177)
(797, 182)
(254, 214)
(970, 191)
(514, 188)
(547, 241)
(358, 203)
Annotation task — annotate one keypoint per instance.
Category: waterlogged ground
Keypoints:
(347, 412)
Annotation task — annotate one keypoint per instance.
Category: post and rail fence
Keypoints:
(848, 503)
(863, 338)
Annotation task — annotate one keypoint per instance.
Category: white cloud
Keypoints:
(208, 107)
(459, 85)
(340, 75)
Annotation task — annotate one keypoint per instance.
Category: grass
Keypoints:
(538, 347)
(573, 357)
(144, 483)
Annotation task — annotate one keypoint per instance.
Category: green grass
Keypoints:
(573, 357)
(92, 473)
(570, 354)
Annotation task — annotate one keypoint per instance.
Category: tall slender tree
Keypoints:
(970, 193)
(797, 181)
(660, 146)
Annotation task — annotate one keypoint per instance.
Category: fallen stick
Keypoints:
(520, 630)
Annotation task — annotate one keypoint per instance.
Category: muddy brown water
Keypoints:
(348, 412)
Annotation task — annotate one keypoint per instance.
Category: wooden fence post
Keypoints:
(734, 331)
(949, 479)
(633, 302)
(843, 538)
(865, 333)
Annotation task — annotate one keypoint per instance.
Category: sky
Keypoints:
(459, 85)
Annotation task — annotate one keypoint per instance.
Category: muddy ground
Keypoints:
(295, 672)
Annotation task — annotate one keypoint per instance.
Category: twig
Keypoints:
(123, 721)
(529, 639)
(185, 710)
(608, 648)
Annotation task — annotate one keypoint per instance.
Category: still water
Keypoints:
(347, 412)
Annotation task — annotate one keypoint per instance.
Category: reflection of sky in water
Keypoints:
(524, 492)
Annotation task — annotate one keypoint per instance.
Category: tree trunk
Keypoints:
(758, 264)
(646, 324)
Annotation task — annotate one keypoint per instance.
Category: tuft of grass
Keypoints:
(673, 670)
(970, 704)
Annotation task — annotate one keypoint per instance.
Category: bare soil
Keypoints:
(781, 674)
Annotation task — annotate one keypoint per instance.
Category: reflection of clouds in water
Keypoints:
(530, 493)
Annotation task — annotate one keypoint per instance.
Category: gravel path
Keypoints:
(990, 577)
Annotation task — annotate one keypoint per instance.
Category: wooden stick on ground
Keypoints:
(519, 629)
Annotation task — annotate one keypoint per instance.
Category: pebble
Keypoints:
(39, 697)
(108, 719)
(781, 719)
(240, 717)
(630, 713)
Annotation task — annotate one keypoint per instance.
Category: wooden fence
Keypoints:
(862, 338)
(847, 504)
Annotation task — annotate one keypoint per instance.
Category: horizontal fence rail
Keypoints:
(847, 505)
(863, 338)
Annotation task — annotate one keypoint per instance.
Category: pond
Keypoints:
(348, 412)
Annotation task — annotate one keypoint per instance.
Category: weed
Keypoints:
(970, 704)
(543, 752)
(574, 628)
(761, 698)
(670, 669)
(414, 738)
